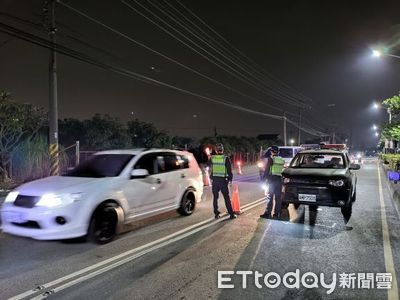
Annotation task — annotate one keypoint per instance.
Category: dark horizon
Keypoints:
(300, 43)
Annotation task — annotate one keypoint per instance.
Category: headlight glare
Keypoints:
(53, 200)
(50, 200)
(11, 197)
(336, 183)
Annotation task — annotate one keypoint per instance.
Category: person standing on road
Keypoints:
(221, 176)
(264, 160)
(273, 177)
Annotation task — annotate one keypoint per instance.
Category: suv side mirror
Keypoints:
(139, 173)
(355, 167)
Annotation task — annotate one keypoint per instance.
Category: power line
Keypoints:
(85, 58)
(238, 51)
(237, 74)
(163, 55)
(42, 28)
(237, 64)
(182, 20)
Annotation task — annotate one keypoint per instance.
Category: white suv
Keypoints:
(104, 192)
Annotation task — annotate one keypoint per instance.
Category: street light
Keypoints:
(376, 134)
(291, 142)
(377, 53)
(377, 105)
(374, 127)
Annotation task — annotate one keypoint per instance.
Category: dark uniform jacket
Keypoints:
(268, 164)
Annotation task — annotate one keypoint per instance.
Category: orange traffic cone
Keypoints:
(235, 200)
(206, 178)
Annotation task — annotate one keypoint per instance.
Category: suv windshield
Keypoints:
(319, 161)
(101, 165)
(285, 152)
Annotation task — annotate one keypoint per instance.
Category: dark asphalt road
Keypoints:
(187, 268)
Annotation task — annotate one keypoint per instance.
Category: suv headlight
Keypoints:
(260, 164)
(11, 197)
(54, 200)
(339, 182)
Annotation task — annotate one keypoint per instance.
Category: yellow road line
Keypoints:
(393, 293)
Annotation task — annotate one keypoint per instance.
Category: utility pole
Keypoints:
(390, 122)
(53, 107)
(284, 129)
(299, 135)
(334, 135)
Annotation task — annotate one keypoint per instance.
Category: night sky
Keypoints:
(319, 48)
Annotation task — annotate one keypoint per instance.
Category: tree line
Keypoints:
(391, 130)
(24, 131)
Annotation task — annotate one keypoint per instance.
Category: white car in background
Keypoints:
(286, 152)
(98, 196)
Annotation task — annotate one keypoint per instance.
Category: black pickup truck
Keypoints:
(321, 178)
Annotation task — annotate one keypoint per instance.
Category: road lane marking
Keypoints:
(393, 293)
(113, 262)
(253, 259)
(326, 226)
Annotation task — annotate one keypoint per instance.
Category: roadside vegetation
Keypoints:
(24, 140)
(391, 131)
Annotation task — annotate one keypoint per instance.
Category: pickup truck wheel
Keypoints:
(103, 226)
(346, 212)
(188, 203)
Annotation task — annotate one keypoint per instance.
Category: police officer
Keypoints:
(273, 177)
(221, 176)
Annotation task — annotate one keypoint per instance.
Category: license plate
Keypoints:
(14, 217)
(307, 197)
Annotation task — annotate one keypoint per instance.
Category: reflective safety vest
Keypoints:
(218, 165)
(277, 165)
